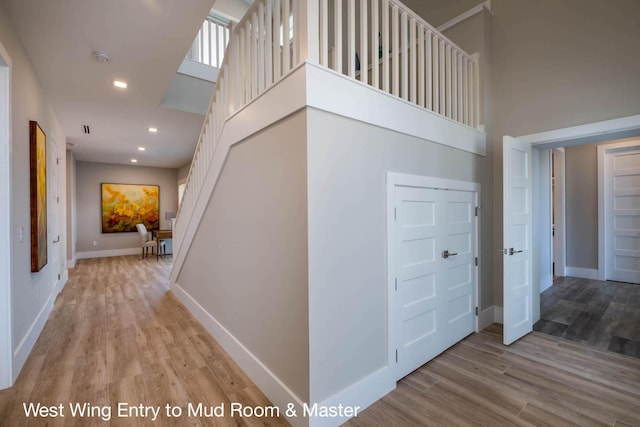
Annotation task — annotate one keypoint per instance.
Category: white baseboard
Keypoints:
(26, 344)
(360, 394)
(63, 281)
(108, 253)
(486, 318)
(545, 283)
(266, 380)
(497, 312)
(583, 273)
(71, 263)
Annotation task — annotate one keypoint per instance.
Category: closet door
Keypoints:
(435, 250)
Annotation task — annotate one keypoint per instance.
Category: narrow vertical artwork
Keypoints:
(38, 183)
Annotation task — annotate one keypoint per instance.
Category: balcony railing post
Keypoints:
(476, 89)
(234, 78)
(308, 30)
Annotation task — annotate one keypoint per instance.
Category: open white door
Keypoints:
(517, 220)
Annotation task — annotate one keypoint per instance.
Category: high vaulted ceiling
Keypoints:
(147, 40)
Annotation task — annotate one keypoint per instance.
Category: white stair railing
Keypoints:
(384, 44)
(209, 45)
(255, 59)
(415, 62)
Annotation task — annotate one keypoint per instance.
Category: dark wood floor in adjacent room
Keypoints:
(605, 315)
(117, 335)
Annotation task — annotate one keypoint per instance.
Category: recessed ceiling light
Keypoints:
(141, 148)
(134, 161)
(120, 84)
(153, 130)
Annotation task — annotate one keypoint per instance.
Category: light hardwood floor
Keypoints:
(117, 335)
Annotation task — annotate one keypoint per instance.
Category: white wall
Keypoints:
(348, 162)
(89, 177)
(32, 294)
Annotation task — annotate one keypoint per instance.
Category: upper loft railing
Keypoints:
(384, 44)
(211, 41)
(380, 43)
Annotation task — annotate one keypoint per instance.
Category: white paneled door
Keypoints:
(517, 236)
(622, 215)
(435, 272)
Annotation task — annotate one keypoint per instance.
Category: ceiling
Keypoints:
(147, 40)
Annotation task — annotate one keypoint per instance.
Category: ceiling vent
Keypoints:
(101, 55)
(86, 130)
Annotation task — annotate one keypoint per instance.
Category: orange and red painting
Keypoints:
(38, 187)
(125, 205)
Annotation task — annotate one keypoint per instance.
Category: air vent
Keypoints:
(86, 130)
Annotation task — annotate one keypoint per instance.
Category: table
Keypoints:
(161, 235)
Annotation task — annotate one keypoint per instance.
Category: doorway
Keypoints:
(619, 210)
(540, 245)
(433, 247)
(6, 346)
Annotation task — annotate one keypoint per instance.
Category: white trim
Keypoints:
(71, 263)
(580, 135)
(361, 394)
(63, 281)
(486, 318)
(602, 229)
(25, 346)
(466, 15)
(384, 110)
(565, 135)
(395, 179)
(276, 103)
(198, 70)
(583, 273)
(559, 207)
(260, 374)
(108, 253)
(497, 312)
(6, 341)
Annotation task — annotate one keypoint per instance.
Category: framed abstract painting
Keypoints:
(125, 205)
(38, 195)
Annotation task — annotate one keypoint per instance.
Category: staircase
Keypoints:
(380, 44)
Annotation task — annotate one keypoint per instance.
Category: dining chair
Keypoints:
(147, 241)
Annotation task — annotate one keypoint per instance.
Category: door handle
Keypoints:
(513, 251)
(446, 254)
(57, 240)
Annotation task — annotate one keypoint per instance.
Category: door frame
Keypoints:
(395, 179)
(6, 341)
(559, 207)
(603, 151)
(591, 133)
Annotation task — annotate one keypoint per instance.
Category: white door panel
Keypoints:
(418, 271)
(435, 294)
(622, 215)
(517, 274)
(460, 268)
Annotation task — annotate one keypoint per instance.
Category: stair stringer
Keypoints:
(280, 101)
